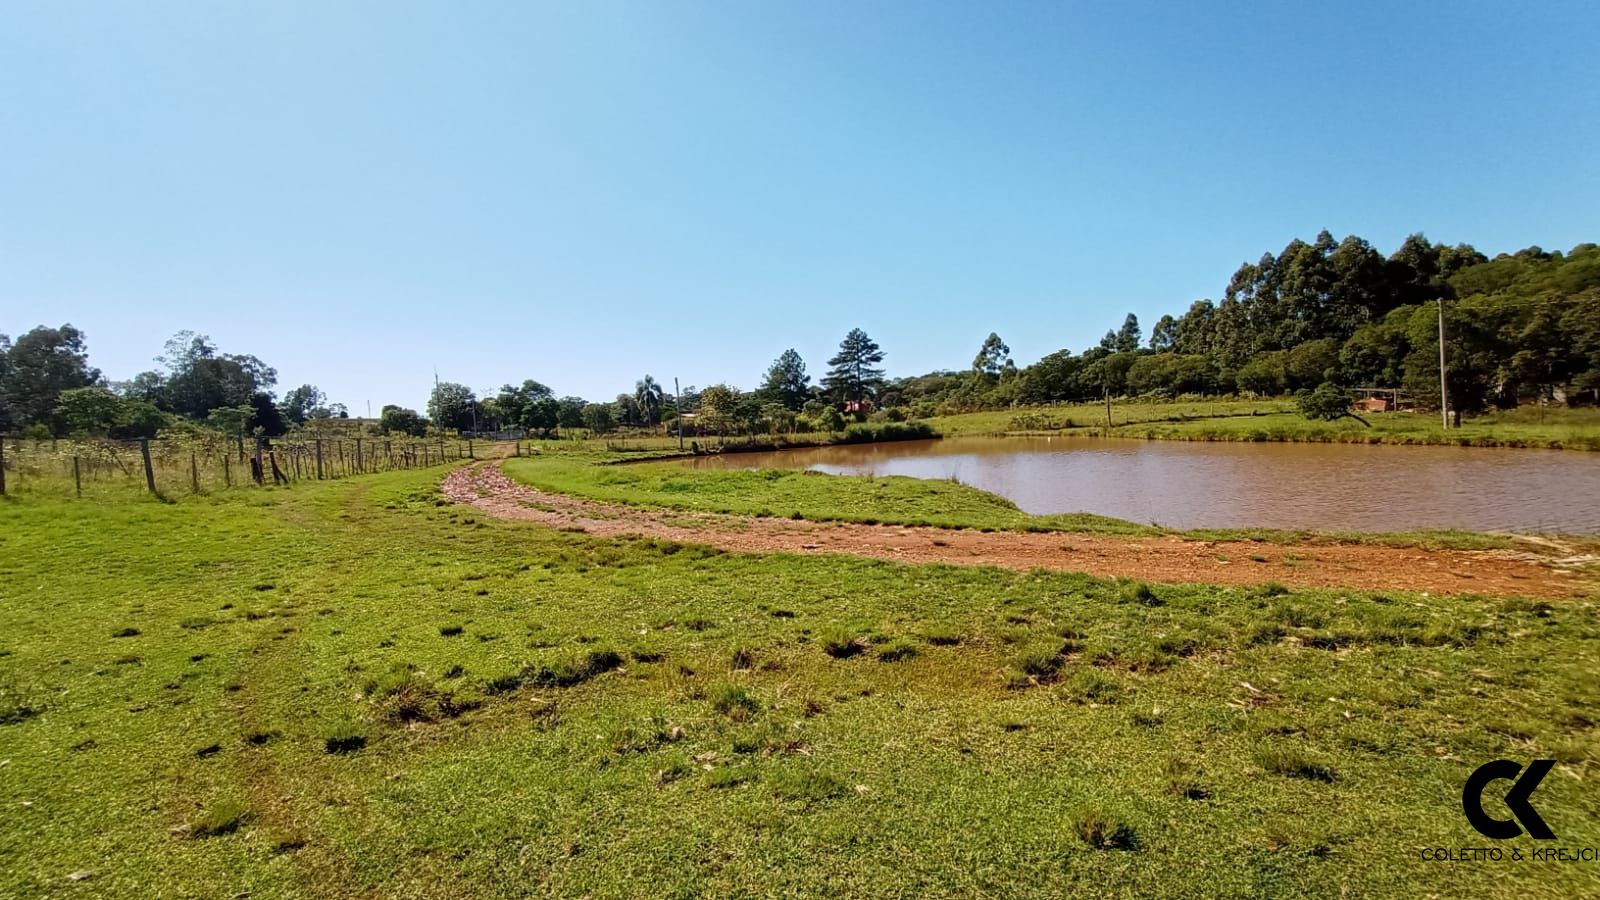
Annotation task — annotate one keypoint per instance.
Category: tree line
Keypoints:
(1521, 326)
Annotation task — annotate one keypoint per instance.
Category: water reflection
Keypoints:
(1226, 485)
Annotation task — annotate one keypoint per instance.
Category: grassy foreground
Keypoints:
(348, 688)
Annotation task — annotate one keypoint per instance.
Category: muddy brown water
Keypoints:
(1183, 484)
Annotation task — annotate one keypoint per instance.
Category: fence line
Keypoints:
(183, 465)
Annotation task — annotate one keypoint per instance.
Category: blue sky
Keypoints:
(582, 193)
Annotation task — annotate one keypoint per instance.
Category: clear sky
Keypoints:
(585, 192)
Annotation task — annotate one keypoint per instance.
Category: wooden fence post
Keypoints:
(194, 473)
(361, 463)
(77, 478)
(227, 473)
(319, 459)
(149, 471)
(470, 454)
(2, 466)
(256, 472)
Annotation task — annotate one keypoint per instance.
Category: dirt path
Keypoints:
(1160, 559)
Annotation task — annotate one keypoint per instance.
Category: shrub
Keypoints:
(875, 432)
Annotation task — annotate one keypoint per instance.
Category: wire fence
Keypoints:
(206, 463)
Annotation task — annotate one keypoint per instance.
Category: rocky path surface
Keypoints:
(1540, 572)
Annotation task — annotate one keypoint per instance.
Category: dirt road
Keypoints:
(1540, 572)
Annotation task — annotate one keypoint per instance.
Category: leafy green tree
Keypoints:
(39, 366)
(569, 412)
(399, 420)
(1311, 363)
(452, 405)
(718, 409)
(514, 402)
(1057, 378)
(1264, 375)
(542, 416)
(267, 418)
(298, 404)
(199, 379)
(786, 381)
(91, 411)
(993, 357)
(647, 393)
(853, 376)
(598, 418)
(831, 420)
(234, 421)
(1128, 336)
(1327, 403)
(1164, 336)
(627, 410)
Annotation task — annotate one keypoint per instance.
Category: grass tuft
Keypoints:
(1105, 830)
(222, 817)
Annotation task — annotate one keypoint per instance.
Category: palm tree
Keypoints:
(649, 395)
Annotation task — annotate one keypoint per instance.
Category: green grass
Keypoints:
(1277, 420)
(324, 737)
(1091, 417)
(1569, 429)
(793, 494)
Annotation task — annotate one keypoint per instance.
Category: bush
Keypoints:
(875, 432)
(1327, 403)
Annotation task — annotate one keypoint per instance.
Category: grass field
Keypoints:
(1276, 420)
(349, 688)
(781, 492)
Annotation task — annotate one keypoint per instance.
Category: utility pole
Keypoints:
(1444, 390)
(677, 400)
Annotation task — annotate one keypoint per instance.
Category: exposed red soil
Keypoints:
(1159, 559)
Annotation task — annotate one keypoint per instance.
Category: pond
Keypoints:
(1184, 484)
